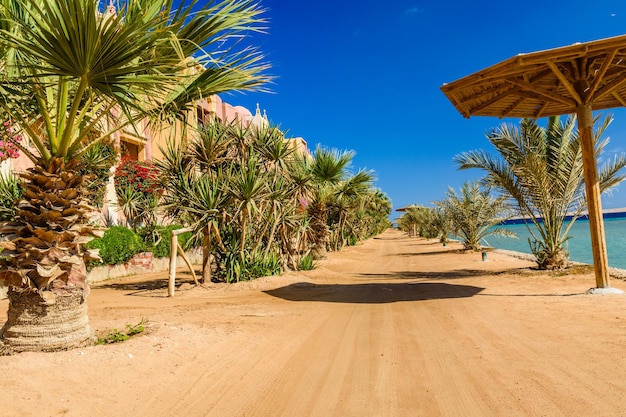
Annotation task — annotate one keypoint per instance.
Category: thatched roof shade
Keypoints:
(573, 79)
(546, 83)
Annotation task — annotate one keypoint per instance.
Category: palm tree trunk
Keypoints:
(36, 323)
(270, 237)
(206, 256)
(261, 234)
(319, 216)
(46, 262)
(242, 244)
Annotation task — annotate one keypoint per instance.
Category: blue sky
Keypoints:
(366, 76)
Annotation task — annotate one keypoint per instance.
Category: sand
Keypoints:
(392, 327)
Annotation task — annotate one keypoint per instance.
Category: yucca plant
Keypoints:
(330, 180)
(10, 194)
(540, 169)
(71, 77)
(230, 184)
(474, 213)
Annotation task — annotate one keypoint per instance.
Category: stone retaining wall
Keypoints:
(140, 264)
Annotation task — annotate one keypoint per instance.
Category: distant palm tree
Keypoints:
(410, 220)
(330, 181)
(366, 215)
(71, 76)
(474, 213)
(541, 170)
(442, 224)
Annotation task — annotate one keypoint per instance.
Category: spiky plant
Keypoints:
(328, 170)
(541, 170)
(10, 193)
(72, 76)
(474, 213)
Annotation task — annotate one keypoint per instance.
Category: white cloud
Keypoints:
(412, 10)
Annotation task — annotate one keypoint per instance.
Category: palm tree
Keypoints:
(330, 180)
(441, 224)
(474, 213)
(541, 171)
(232, 185)
(417, 221)
(72, 76)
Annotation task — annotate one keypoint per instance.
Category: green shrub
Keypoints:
(163, 246)
(307, 263)
(263, 266)
(118, 245)
(117, 336)
(10, 193)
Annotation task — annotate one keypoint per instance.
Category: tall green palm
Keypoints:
(474, 213)
(418, 221)
(330, 180)
(541, 170)
(71, 76)
(409, 220)
(246, 173)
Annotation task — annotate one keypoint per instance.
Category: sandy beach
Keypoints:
(392, 327)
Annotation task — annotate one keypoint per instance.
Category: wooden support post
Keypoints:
(172, 278)
(594, 203)
(174, 245)
(182, 254)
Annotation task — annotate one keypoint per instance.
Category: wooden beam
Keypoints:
(540, 110)
(513, 106)
(544, 93)
(619, 98)
(565, 82)
(599, 76)
(594, 204)
(498, 95)
(613, 85)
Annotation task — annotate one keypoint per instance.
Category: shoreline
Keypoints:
(613, 272)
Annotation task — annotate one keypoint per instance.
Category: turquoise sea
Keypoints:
(579, 245)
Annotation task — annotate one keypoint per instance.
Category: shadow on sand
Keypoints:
(428, 275)
(436, 252)
(374, 293)
(151, 287)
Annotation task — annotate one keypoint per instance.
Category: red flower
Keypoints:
(141, 176)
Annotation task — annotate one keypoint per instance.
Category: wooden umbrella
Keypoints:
(574, 79)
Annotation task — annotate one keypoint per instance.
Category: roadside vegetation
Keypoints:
(73, 76)
(535, 174)
(539, 170)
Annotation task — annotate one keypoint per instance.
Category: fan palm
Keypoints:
(474, 213)
(71, 77)
(330, 180)
(541, 170)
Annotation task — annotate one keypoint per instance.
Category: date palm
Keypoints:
(474, 213)
(72, 76)
(330, 180)
(541, 171)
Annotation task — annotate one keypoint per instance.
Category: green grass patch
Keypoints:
(116, 336)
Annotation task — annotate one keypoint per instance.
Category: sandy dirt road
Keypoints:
(393, 327)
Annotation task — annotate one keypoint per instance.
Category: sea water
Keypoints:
(579, 245)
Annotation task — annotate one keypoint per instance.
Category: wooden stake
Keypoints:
(184, 256)
(171, 285)
(174, 245)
